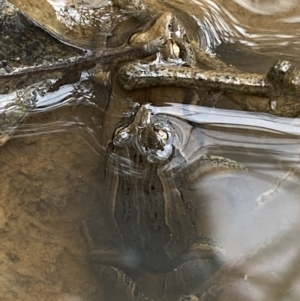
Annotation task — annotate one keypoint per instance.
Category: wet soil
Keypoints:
(47, 188)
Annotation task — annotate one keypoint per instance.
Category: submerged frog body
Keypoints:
(153, 223)
(275, 93)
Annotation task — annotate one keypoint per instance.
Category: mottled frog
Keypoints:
(153, 224)
(276, 92)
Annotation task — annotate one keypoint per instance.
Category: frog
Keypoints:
(275, 92)
(249, 91)
(153, 225)
(178, 50)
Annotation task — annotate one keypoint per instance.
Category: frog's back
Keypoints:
(151, 216)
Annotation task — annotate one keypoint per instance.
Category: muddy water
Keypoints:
(51, 169)
(45, 191)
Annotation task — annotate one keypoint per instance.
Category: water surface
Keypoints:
(52, 166)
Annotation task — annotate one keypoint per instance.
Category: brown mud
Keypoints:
(46, 190)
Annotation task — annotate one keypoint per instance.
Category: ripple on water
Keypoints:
(253, 215)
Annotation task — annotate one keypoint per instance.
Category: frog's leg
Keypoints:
(103, 263)
(204, 257)
(210, 164)
(186, 278)
(200, 262)
(118, 286)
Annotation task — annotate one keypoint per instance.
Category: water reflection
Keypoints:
(267, 7)
(247, 213)
(264, 215)
(34, 99)
(231, 118)
(251, 23)
(251, 215)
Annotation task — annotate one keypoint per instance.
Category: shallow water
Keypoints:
(52, 167)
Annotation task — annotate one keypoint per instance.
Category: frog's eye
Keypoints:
(122, 137)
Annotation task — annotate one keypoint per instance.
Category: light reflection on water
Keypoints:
(249, 214)
(267, 7)
(254, 216)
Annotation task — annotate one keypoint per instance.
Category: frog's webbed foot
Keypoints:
(186, 278)
(106, 265)
(201, 260)
(117, 285)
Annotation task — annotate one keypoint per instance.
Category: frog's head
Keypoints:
(149, 134)
(173, 31)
